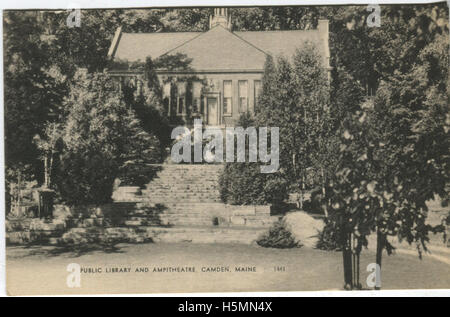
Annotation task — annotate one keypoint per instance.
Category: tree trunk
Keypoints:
(347, 261)
(324, 191)
(356, 250)
(302, 192)
(46, 171)
(380, 246)
(50, 170)
(19, 192)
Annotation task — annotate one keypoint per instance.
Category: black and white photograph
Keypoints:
(217, 149)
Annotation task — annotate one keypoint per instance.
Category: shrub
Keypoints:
(19, 186)
(279, 237)
(149, 114)
(329, 238)
(86, 177)
(244, 184)
(140, 149)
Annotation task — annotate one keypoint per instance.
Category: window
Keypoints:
(227, 97)
(196, 105)
(180, 105)
(196, 96)
(166, 90)
(243, 90)
(139, 87)
(257, 91)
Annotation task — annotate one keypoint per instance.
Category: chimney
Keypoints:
(323, 28)
(220, 17)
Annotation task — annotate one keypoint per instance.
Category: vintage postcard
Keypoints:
(226, 149)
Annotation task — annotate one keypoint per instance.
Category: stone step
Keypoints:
(159, 198)
(185, 197)
(194, 234)
(195, 216)
(179, 186)
(188, 195)
(206, 235)
(191, 168)
(167, 200)
(200, 219)
(206, 175)
(190, 171)
(201, 207)
(148, 204)
(180, 192)
(147, 192)
(206, 222)
(190, 183)
(176, 192)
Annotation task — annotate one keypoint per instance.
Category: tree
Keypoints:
(350, 201)
(385, 173)
(148, 104)
(244, 184)
(372, 54)
(42, 55)
(102, 138)
(33, 88)
(295, 99)
(346, 98)
(18, 180)
(410, 110)
(49, 145)
(313, 92)
(394, 156)
(274, 18)
(186, 20)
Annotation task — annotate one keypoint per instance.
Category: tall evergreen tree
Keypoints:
(102, 138)
(295, 98)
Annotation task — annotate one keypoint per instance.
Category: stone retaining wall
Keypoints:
(183, 196)
(140, 222)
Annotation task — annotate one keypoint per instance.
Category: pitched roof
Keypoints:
(217, 49)
(282, 42)
(220, 49)
(137, 46)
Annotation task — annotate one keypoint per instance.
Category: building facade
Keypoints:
(224, 76)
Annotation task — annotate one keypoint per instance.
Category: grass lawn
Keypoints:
(42, 270)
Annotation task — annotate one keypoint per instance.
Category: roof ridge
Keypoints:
(115, 42)
(148, 33)
(275, 31)
(172, 49)
(216, 26)
(246, 41)
(233, 32)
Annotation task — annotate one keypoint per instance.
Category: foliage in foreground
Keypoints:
(244, 184)
(329, 239)
(279, 236)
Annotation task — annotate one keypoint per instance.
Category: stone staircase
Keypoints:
(177, 183)
(187, 195)
(181, 204)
